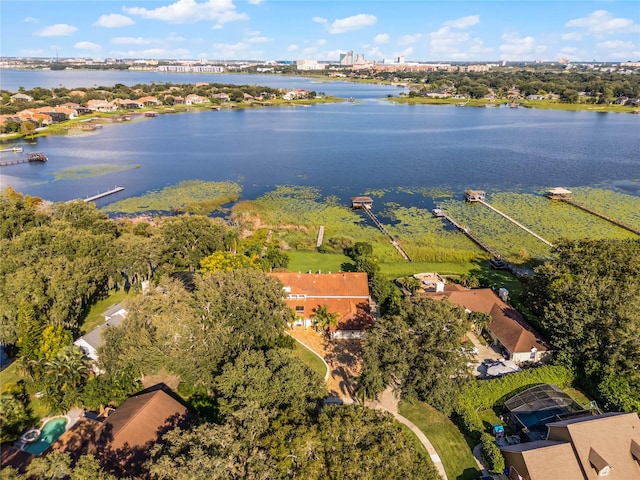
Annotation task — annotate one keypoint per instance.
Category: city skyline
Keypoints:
(457, 31)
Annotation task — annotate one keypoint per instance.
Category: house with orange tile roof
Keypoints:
(508, 328)
(344, 293)
(149, 101)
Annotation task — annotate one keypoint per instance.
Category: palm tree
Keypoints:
(323, 319)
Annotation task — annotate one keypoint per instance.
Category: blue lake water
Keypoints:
(344, 149)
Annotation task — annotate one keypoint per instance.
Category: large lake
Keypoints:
(344, 149)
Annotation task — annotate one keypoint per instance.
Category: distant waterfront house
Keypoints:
(361, 202)
(149, 101)
(222, 97)
(508, 328)
(101, 106)
(91, 341)
(474, 195)
(21, 97)
(192, 99)
(344, 293)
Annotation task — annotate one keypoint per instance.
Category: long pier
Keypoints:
(516, 223)
(442, 214)
(377, 223)
(103, 194)
(32, 157)
(600, 215)
(496, 261)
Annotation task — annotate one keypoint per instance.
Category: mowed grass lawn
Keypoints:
(324, 262)
(310, 359)
(448, 441)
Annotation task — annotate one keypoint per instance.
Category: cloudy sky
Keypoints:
(421, 30)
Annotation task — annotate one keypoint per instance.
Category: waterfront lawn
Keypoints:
(310, 359)
(315, 261)
(404, 269)
(94, 315)
(448, 441)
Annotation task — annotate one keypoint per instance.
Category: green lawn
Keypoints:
(577, 395)
(314, 261)
(446, 438)
(94, 316)
(403, 269)
(10, 376)
(310, 359)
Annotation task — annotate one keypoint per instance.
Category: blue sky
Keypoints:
(421, 30)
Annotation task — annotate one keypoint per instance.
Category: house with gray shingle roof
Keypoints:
(91, 341)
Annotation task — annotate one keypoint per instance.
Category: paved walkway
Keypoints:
(388, 401)
(343, 360)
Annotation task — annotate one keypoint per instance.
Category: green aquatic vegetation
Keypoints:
(296, 213)
(621, 207)
(426, 238)
(499, 233)
(192, 196)
(91, 171)
(377, 192)
(554, 219)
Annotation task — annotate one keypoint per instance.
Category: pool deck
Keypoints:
(72, 416)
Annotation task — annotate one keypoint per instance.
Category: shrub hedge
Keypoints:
(482, 394)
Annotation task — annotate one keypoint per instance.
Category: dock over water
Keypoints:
(32, 157)
(103, 194)
(365, 204)
(564, 195)
(478, 196)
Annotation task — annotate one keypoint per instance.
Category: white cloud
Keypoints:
(319, 20)
(601, 23)
(381, 38)
(451, 41)
(190, 11)
(376, 53)
(57, 30)
(404, 53)
(572, 36)
(258, 39)
(463, 22)
(87, 46)
(292, 48)
(134, 41)
(321, 42)
(152, 53)
(354, 22)
(30, 20)
(517, 47)
(255, 2)
(409, 39)
(616, 44)
(113, 20)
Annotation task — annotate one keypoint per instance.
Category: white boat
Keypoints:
(17, 149)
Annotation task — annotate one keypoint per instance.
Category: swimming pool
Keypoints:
(50, 432)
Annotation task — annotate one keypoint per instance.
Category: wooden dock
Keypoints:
(600, 215)
(103, 194)
(442, 214)
(530, 232)
(320, 237)
(32, 157)
(394, 242)
(496, 261)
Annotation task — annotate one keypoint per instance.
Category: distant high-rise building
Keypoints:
(401, 59)
(346, 59)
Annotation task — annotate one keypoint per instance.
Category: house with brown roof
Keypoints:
(508, 328)
(122, 441)
(149, 101)
(344, 293)
(585, 448)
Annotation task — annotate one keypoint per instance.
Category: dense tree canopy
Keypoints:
(345, 442)
(419, 349)
(588, 297)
